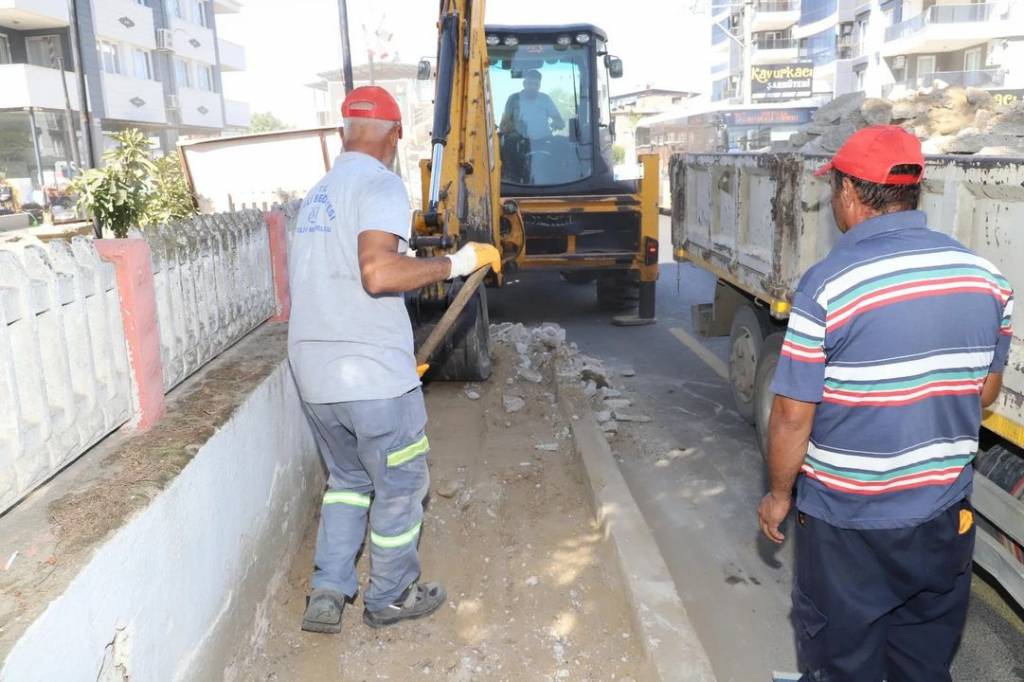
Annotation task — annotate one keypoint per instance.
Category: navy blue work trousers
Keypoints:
(874, 605)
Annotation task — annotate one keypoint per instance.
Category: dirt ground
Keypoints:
(509, 530)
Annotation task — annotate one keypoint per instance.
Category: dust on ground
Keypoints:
(509, 530)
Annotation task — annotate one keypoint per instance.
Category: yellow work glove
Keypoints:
(472, 257)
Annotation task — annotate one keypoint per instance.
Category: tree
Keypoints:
(171, 199)
(117, 194)
(265, 122)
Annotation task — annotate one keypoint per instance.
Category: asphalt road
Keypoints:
(697, 477)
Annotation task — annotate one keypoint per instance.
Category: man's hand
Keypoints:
(772, 512)
(472, 257)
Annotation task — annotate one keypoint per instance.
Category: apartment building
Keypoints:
(880, 47)
(154, 65)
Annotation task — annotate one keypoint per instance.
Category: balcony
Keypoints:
(29, 15)
(232, 55)
(780, 50)
(227, 6)
(980, 78)
(237, 114)
(943, 28)
(193, 41)
(124, 21)
(27, 85)
(200, 108)
(133, 99)
(774, 15)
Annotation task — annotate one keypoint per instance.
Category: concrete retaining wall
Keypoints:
(64, 379)
(172, 594)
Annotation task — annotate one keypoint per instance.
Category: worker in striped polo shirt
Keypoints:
(896, 341)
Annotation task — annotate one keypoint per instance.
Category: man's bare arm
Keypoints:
(990, 390)
(385, 271)
(789, 432)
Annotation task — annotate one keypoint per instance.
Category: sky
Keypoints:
(663, 43)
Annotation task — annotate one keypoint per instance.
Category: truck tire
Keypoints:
(749, 327)
(771, 349)
(578, 276)
(466, 354)
(616, 292)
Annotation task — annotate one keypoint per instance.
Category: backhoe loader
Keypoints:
(521, 158)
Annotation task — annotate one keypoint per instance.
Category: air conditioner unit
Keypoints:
(164, 39)
(172, 103)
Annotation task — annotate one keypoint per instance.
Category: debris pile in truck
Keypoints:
(947, 120)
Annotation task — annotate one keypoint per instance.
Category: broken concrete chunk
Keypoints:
(595, 374)
(632, 418)
(448, 488)
(628, 372)
(876, 111)
(610, 393)
(610, 426)
(603, 416)
(590, 389)
(512, 403)
(530, 374)
(839, 107)
(546, 447)
(472, 393)
(617, 403)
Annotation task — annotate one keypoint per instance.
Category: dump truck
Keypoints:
(759, 221)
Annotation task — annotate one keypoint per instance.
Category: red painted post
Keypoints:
(131, 259)
(279, 264)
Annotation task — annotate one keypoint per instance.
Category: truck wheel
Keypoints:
(615, 292)
(466, 354)
(763, 396)
(578, 276)
(746, 338)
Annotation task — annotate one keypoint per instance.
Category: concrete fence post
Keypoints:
(279, 264)
(134, 270)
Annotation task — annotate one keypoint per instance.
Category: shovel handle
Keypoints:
(444, 325)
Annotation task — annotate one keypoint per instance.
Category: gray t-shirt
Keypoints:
(343, 343)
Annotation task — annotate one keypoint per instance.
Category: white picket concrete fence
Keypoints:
(213, 286)
(64, 378)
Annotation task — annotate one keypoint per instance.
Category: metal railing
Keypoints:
(940, 14)
(776, 43)
(977, 78)
(777, 5)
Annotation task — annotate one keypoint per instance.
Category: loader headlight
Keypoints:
(511, 41)
(564, 41)
(493, 41)
(582, 38)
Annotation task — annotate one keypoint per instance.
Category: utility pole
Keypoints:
(748, 50)
(84, 116)
(346, 50)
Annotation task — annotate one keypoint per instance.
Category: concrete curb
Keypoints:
(668, 638)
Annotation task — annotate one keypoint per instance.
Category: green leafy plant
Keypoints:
(118, 194)
(171, 199)
(265, 122)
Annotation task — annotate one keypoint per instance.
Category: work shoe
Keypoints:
(416, 602)
(323, 612)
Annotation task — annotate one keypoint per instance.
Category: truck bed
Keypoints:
(759, 221)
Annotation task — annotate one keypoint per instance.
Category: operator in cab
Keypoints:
(896, 341)
(529, 120)
(350, 346)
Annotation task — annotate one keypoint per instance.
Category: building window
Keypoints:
(5, 49)
(205, 77)
(183, 72)
(142, 64)
(174, 8)
(144, 3)
(820, 47)
(972, 59)
(110, 57)
(926, 70)
(199, 11)
(43, 51)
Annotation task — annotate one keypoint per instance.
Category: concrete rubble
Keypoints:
(947, 119)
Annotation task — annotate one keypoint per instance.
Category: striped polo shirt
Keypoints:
(893, 334)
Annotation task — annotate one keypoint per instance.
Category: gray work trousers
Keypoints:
(376, 457)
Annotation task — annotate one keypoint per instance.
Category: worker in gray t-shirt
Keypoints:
(350, 346)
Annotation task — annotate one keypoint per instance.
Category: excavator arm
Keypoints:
(462, 179)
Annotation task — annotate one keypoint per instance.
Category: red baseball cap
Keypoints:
(871, 153)
(372, 101)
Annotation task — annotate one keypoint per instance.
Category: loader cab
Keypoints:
(550, 93)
